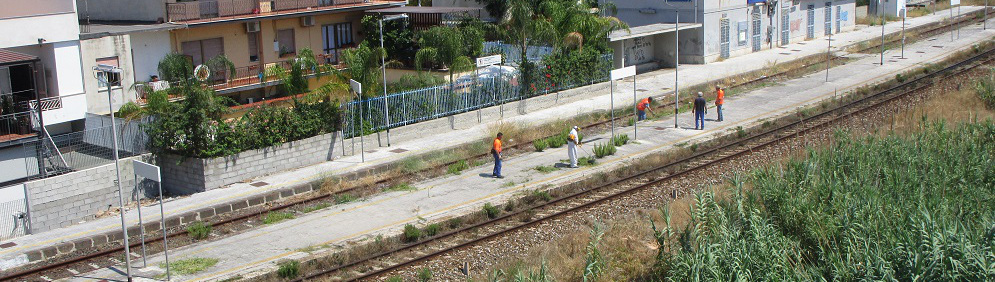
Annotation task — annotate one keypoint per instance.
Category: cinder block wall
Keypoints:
(192, 175)
(67, 199)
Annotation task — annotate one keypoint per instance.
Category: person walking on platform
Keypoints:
(496, 151)
(573, 140)
(642, 107)
(699, 111)
(720, 99)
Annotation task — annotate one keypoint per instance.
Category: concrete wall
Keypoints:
(123, 10)
(77, 196)
(118, 46)
(147, 49)
(194, 175)
(17, 162)
(27, 30)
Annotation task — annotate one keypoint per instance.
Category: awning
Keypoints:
(648, 30)
(8, 58)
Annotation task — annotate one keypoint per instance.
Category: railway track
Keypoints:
(111, 256)
(409, 255)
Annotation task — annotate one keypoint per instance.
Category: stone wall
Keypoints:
(193, 175)
(67, 199)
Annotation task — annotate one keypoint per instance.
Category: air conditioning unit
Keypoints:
(307, 21)
(252, 27)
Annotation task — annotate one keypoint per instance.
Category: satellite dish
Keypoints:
(202, 72)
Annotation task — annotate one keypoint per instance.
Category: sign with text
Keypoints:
(149, 171)
(623, 72)
(356, 86)
(488, 61)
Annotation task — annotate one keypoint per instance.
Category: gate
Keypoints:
(724, 23)
(811, 22)
(756, 29)
(785, 26)
(828, 16)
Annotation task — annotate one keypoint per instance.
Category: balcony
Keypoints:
(214, 10)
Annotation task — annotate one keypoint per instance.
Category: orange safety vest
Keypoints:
(642, 104)
(497, 145)
(720, 97)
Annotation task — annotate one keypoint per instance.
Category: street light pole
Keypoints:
(677, 65)
(108, 70)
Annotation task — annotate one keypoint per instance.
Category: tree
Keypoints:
(494, 7)
(399, 39)
(363, 65)
(294, 80)
(450, 48)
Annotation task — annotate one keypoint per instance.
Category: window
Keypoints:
(253, 46)
(285, 42)
(113, 78)
(201, 51)
(335, 37)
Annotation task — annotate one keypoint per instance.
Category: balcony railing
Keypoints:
(245, 76)
(15, 126)
(211, 9)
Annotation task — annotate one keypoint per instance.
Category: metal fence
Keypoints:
(465, 95)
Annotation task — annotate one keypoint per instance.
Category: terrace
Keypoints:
(18, 96)
(206, 11)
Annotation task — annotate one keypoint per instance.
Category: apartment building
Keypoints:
(253, 34)
(41, 84)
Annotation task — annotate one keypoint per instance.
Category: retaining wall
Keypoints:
(192, 175)
(67, 199)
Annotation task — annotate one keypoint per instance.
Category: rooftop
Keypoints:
(8, 57)
(102, 29)
(214, 11)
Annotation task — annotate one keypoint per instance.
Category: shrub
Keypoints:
(620, 140)
(985, 87)
(540, 144)
(424, 275)
(542, 195)
(411, 233)
(604, 150)
(289, 269)
(557, 141)
(491, 211)
(454, 223)
(432, 229)
(199, 230)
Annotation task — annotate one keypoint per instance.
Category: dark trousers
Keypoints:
(699, 120)
(497, 164)
(641, 115)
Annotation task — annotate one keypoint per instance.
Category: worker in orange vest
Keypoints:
(720, 98)
(496, 151)
(642, 107)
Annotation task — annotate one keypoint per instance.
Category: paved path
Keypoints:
(437, 199)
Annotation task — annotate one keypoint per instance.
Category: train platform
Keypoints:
(258, 249)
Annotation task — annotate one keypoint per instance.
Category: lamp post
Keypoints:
(107, 70)
(383, 66)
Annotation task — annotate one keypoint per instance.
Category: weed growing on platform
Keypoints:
(458, 167)
(316, 207)
(620, 140)
(274, 217)
(289, 269)
(403, 186)
(604, 150)
(491, 211)
(542, 195)
(454, 223)
(411, 233)
(199, 230)
(546, 168)
(190, 265)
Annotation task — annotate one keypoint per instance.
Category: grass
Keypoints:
(315, 207)
(401, 187)
(458, 167)
(199, 230)
(424, 275)
(274, 217)
(491, 211)
(881, 207)
(540, 144)
(985, 88)
(345, 198)
(189, 266)
(546, 168)
(411, 233)
(432, 229)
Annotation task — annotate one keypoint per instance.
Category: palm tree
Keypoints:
(294, 80)
(523, 24)
(448, 47)
(362, 64)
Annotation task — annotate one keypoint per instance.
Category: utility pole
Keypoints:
(829, 60)
(108, 70)
(677, 65)
(882, 39)
(904, 12)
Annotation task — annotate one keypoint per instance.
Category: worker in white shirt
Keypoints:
(573, 140)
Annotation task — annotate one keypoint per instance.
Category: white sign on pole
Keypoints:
(356, 86)
(149, 171)
(954, 2)
(623, 73)
(488, 61)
